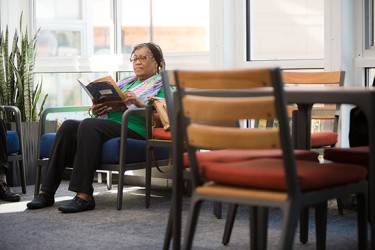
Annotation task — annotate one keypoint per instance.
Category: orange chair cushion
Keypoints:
(269, 174)
(160, 133)
(354, 155)
(323, 139)
(231, 155)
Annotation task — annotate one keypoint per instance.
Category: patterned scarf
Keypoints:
(149, 87)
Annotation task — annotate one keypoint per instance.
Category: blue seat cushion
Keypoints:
(136, 150)
(13, 142)
(46, 142)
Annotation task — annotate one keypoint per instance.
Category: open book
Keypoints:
(104, 90)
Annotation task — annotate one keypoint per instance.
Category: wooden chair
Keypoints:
(182, 166)
(14, 142)
(323, 113)
(263, 183)
(119, 154)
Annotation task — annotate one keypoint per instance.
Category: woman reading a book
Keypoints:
(79, 143)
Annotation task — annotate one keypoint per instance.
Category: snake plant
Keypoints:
(17, 61)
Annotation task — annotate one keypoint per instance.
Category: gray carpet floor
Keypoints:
(135, 227)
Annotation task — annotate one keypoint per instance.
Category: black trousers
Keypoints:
(3, 144)
(78, 144)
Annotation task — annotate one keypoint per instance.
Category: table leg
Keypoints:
(301, 126)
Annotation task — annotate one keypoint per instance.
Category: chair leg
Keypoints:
(218, 207)
(304, 225)
(120, 189)
(231, 216)
(340, 206)
(109, 180)
(148, 176)
(100, 178)
(321, 225)
(258, 227)
(191, 223)
(168, 233)
(187, 188)
(23, 176)
(362, 221)
(289, 226)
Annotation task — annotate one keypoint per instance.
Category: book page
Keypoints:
(84, 82)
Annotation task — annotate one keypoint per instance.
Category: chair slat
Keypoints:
(198, 107)
(245, 79)
(327, 77)
(242, 193)
(213, 137)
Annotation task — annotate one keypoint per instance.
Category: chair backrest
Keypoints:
(329, 78)
(205, 97)
(14, 114)
(325, 78)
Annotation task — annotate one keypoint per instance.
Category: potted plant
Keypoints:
(17, 61)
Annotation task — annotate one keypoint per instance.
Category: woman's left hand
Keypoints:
(132, 98)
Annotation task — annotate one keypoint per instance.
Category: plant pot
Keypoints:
(30, 132)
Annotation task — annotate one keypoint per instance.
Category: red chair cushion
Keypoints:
(269, 174)
(322, 139)
(354, 155)
(160, 133)
(231, 155)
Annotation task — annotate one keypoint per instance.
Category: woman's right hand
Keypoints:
(98, 109)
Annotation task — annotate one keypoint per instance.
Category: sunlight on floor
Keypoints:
(128, 190)
(15, 207)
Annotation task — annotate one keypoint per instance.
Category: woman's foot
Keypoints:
(79, 203)
(42, 200)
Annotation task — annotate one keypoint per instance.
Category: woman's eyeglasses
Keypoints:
(141, 59)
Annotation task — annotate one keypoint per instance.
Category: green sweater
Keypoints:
(137, 123)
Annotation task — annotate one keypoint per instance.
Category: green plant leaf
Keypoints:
(17, 72)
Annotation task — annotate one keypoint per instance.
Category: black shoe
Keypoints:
(41, 201)
(7, 194)
(78, 205)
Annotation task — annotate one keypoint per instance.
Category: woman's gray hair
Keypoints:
(156, 51)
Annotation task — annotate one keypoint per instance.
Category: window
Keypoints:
(285, 30)
(365, 62)
(84, 28)
(369, 24)
(96, 36)
(370, 77)
(175, 25)
(63, 88)
(73, 27)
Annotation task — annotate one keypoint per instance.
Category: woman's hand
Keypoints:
(132, 98)
(98, 109)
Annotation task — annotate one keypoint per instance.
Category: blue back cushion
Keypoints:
(13, 142)
(135, 150)
(46, 142)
